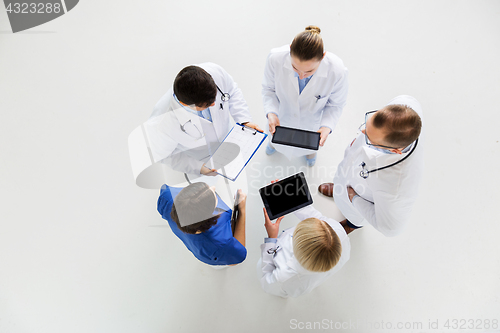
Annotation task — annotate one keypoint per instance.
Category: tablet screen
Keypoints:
(296, 137)
(286, 196)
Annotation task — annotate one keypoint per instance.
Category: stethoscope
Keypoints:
(365, 173)
(225, 97)
(184, 130)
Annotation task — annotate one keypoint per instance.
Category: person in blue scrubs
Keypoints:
(202, 221)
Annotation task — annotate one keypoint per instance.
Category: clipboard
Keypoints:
(235, 151)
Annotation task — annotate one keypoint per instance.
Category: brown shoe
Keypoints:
(347, 228)
(326, 189)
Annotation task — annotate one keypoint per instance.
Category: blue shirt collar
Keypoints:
(386, 151)
(188, 109)
(304, 79)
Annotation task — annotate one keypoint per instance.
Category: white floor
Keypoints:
(82, 248)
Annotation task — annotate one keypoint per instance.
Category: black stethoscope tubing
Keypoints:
(224, 96)
(364, 174)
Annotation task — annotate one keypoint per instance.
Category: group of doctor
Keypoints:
(304, 87)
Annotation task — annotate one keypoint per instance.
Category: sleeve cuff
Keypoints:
(328, 128)
(270, 240)
(267, 251)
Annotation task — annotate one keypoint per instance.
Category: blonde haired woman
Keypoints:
(304, 87)
(302, 257)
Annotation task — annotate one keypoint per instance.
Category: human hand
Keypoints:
(272, 228)
(324, 132)
(273, 122)
(351, 193)
(254, 126)
(207, 171)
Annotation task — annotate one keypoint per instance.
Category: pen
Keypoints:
(317, 98)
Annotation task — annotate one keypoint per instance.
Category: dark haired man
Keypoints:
(191, 120)
(202, 221)
(377, 181)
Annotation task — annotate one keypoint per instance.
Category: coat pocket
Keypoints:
(319, 104)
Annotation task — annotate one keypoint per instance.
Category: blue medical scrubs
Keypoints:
(216, 246)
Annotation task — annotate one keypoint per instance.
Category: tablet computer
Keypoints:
(286, 196)
(296, 137)
(236, 212)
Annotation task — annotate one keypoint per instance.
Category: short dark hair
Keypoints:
(193, 201)
(402, 123)
(193, 85)
(308, 44)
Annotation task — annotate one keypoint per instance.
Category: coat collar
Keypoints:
(322, 70)
(285, 241)
(215, 112)
(182, 115)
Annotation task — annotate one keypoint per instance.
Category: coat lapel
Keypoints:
(184, 117)
(292, 79)
(216, 113)
(310, 91)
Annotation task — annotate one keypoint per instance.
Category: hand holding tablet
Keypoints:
(286, 196)
(296, 137)
(272, 229)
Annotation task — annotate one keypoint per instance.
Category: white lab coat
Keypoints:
(282, 275)
(386, 196)
(280, 93)
(187, 150)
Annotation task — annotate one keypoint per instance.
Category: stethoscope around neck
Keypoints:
(365, 173)
(201, 135)
(225, 97)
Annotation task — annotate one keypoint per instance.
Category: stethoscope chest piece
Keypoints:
(364, 173)
(225, 97)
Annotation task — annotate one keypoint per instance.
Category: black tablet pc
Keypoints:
(296, 137)
(236, 212)
(286, 195)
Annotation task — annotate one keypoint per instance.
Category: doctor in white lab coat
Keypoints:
(279, 270)
(183, 136)
(385, 198)
(305, 88)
